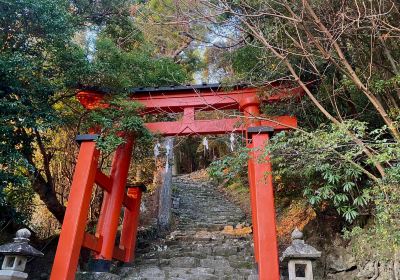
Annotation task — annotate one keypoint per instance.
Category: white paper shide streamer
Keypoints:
(168, 148)
(156, 151)
(232, 140)
(205, 144)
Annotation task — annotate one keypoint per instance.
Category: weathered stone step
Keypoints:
(197, 248)
(155, 272)
(245, 260)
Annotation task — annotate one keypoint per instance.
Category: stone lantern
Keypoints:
(299, 257)
(16, 256)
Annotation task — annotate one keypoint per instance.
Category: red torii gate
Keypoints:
(117, 195)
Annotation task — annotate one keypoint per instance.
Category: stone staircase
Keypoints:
(197, 248)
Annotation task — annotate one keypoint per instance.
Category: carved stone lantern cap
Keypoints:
(299, 249)
(20, 246)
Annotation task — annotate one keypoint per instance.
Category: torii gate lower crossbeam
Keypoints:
(117, 195)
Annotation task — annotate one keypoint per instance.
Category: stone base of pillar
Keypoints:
(100, 265)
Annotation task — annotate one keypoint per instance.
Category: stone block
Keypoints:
(201, 277)
(96, 276)
(128, 271)
(217, 264)
(151, 272)
(201, 271)
(225, 250)
(177, 272)
(185, 262)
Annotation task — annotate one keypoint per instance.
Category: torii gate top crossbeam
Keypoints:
(188, 99)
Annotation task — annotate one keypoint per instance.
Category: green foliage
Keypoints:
(120, 116)
(380, 239)
(250, 63)
(176, 39)
(35, 50)
(117, 69)
(43, 62)
(38, 23)
(17, 197)
(331, 167)
(123, 59)
(246, 59)
(333, 173)
(231, 168)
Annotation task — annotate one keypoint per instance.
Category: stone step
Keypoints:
(197, 248)
(191, 274)
(155, 272)
(205, 253)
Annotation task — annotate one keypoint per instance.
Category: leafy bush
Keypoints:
(122, 115)
(334, 172)
(331, 167)
(380, 239)
(232, 168)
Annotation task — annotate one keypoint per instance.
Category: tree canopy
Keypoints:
(49, 49)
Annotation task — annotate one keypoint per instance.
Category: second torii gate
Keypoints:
(117, 195)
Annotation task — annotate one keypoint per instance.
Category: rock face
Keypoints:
(197, 248)
(340, 264)
(343, 266)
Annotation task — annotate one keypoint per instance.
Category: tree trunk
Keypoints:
(44, 188)
(48, 196)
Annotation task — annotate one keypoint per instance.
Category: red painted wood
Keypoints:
(94, 243)
(128, 201)
(119, 253)
(250, 167)
(251, 111)
(103, 181)
(177, 101)
(119, 175)
(130, 223)
(216, 126)
(263, 194)
(188, 115)
(100, 222)
(207, 101)
(73, 228)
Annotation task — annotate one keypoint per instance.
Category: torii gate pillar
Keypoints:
(262, 202)
(261, 194)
